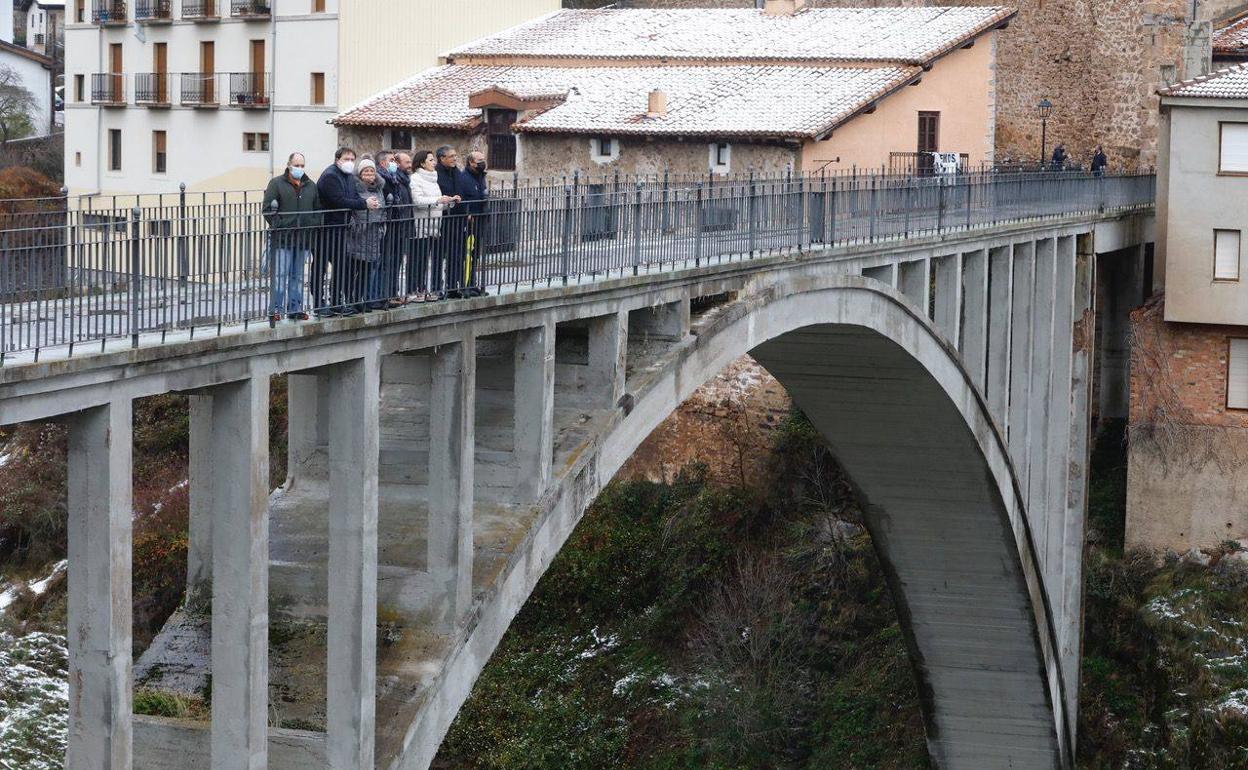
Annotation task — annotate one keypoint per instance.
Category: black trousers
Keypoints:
(453, 248)
(421, 258)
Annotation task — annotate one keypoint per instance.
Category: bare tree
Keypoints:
(17, 105)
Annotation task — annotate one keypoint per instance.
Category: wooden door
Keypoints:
(929, 140)
(257, 69)
(160, 70)
(117, 81)
(207, 71)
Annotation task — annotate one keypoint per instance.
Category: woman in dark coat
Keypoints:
(366, 231)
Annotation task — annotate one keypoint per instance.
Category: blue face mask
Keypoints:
(296, 172)
(392, 167)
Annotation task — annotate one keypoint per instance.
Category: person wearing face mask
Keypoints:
(366, 232)
(429, 204)
(336, 187)
(399, 231)
(292, 210)
(474, 189)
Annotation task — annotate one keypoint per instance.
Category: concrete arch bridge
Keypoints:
(441, 455)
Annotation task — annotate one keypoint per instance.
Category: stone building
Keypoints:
(691, 91)
(1188, 448)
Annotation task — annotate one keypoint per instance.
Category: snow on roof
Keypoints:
(1232, 39)
(734, 100)
(899, 35)
(1229, 83)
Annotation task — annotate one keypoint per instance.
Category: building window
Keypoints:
(318, 6)
(400, 139)
(1237, 374)
(721, 157)
(318, 88)
(78, 159)
(929, 141)
(114, 149)
(80, 11)
(1233, 150)
(255, 142)
(79, 87)
(502, 142)
(159, 152)
(604, 149)
(1226, 255)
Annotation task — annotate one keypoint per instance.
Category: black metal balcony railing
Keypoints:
(199, 89)
(38, 38)
(108, 88)
(201, 10)
(250, 89)
(153, 88)
(109, 12)
(921, 163)
(151, 11)
(92, 269)
(250, 9)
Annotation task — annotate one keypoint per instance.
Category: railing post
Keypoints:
(968, 202)
(911, 183)
(135, 275)
(567, 233)
(940, 204)
(698, 223)
(637, 229)
(832, 215)
(184, 263)
(872, 213)
(751, 209)
(803, 203)
(666, 214)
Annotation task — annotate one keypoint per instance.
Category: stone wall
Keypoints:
(1099, 61)
(1188, 453)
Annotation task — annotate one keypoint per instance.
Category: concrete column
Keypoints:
(974, 342)
(914, 280)
(667, 322)
(1020, 355)
(306, 420)
(200, 510)
(1070, 631)
(351, 669)
(535, 408)
(1122, 290)
(884, 273)
(1000, 314)
(947, 307)
(240, 574)
(452, 444)
(1038, 404)
(608, 354)
(100, 514)
(1057, 446)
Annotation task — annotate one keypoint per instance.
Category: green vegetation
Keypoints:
(695, 626)
(158, 703)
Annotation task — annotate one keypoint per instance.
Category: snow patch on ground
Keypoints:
(10, 593)
(34, 701)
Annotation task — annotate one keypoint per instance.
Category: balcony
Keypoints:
(152, 89)
(250, 90)
(259, 10)
(201, 10)
(108, 89)
(109, 13)
(39, 39)
(199, 89)
(153, 11)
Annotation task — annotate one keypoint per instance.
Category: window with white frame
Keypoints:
(721, 157)
(604, 149)
(1233, 148)
(1226, 255)
(1237, 373)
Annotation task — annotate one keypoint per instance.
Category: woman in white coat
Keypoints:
(424, 271)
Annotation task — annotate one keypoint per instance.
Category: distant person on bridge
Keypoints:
(424, 269)
(366, 232)
(399, 230)
(1059, 157)
(454, 239)
(337, 190)
(474, 187)
(1099, 161)
(292, 211)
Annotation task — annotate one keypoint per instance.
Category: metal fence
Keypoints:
(80, 271)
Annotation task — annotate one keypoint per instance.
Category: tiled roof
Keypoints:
(732, 100)
(1232, 39)
(1229, 83)
(897, 35)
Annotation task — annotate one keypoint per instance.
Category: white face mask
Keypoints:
(347, 166)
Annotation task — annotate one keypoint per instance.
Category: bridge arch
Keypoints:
(941, 499)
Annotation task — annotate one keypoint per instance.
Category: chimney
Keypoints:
(782, 7)
(657, 106)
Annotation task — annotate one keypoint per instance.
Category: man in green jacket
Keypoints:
(292, 210)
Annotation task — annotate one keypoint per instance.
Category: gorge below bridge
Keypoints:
(441, 454)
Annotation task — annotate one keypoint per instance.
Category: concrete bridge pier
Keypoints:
(100, 609)
(452, 444)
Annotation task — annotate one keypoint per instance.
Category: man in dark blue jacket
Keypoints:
(336, 188)
(451, 248)
(399, 232)
(474, 189)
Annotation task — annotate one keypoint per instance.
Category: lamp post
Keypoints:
(1045, 110)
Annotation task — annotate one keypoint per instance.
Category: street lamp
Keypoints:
(1045, 110)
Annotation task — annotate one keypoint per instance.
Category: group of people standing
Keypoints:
(374, 233)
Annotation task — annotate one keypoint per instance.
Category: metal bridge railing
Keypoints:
(83, 271)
